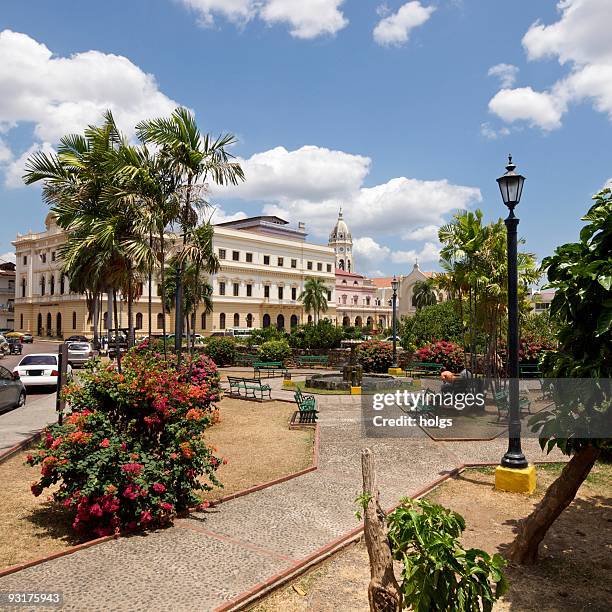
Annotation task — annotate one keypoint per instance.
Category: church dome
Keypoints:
(341, 230)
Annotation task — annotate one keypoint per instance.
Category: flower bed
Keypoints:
(445, 353)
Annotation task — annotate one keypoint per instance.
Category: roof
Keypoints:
(382, 282)
(253, 220)
(266, 224)
(341, 230)
(341, 272)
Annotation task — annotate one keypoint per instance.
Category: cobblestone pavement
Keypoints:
(213, 556)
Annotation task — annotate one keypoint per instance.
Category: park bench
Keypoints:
(307, 407)
(502, 402)
(422, 368)
(270, 368)
(312, 360)
(246, 360)
(529, 370)
(248, 387)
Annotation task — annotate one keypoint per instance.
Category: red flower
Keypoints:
(132, 468)
(158, 487)
(36, 489)
(105, 443)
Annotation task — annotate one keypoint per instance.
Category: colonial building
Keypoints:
(341, 241)
(7, 295)
(264, 264)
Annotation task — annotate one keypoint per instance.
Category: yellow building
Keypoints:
(264, 265)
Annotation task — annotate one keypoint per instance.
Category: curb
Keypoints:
(6, 455)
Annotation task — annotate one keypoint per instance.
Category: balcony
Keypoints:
(5, 308)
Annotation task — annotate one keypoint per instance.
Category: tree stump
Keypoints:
(384, 593)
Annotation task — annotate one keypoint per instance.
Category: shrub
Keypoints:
(431, 323)
(274, 350)
(222, 350)
(375, 356)
(323, 335)
(352, 333)
(131, 453)
(442, 352)
(264, 334)
(439, 575)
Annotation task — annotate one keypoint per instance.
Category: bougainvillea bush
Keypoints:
(375, 356)
(446, 353)
(131, 453)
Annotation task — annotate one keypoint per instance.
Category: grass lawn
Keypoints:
(253, 437)
(575, 557)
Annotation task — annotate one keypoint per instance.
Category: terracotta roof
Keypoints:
(340, 272)
(382, 282)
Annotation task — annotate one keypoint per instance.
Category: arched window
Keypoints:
(139, 320)
(344, 281)
(280, 322)
(23, 287)
(358, 322)
(355, 282)
(310, 318)
(62, 284)
(52, 285)
(58, 326)
(48, 324)
(346, 322)
(39, 326)
(266, 320)
(344, 299)
(203, 321)
(160, 320)
(43, 284)
(367, 301)
(294, 321)
(222, 321)
(249, 320)
(369, 323)
(74, 320)
(21, 321)
(236, 320)
(348, 266)
(341, 264)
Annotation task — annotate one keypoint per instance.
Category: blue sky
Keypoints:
(385, 109)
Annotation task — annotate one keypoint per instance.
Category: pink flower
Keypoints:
(146, 516)
(158, 487)
(132, 468)
(105, 443)
(95, 510)
(166, 506)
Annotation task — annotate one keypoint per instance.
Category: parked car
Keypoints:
(27, 338)
(76, 339)
(4, 346)
(79, 353)
(12, 392)
(39, 370)
(15, 346)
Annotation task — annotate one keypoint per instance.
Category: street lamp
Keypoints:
(394, 285)
(511, 188)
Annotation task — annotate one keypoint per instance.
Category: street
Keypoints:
(18, 424)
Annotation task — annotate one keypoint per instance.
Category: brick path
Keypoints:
(212, 557)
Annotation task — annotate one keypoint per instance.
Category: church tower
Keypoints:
(341, 241)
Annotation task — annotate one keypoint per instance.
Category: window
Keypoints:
(42, 285)
(43, 257)
(221, 253)
(319, 267)
(294, 293)
(222, 320)
(235, 255)
(236, 289)
(367, 301)
(309, 265)
(249, 290)
(294, 263)
(52, 285)
(203, 321)
(25, 260)
(221, 288)
(21, 321)
(355, 300)
(329, 267)
(280, 293)
(62, 284)
(249, 257)
(236, 320)
(281, 262)
(266, 260)
(74, 320)
(23, 287)
(139, 320)
(52, 255)
(355, 283)
(329, 296)
(344, 299)
(160, 321)
(266, 291)
(249, 320)
(266, 320)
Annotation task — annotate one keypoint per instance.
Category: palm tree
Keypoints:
(314, 296)
(423, 294)
(193, 158)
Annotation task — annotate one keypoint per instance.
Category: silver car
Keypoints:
(79, 353)
(12, 391)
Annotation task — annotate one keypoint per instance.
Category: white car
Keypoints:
(39, 370)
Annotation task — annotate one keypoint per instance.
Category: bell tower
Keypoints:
(341, 241)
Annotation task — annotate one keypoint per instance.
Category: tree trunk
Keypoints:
(383, 591)
(130, 306)
(150, 295)
(560, 494)
(163, 289)
(96, 318)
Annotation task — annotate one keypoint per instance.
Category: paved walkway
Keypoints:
(213, 556)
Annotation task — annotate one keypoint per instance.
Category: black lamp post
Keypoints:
(394, 285)
(511, 187)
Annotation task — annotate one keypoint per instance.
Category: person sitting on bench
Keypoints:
(448, 378)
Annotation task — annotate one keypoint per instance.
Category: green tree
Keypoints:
(438, 322)
(581, 274)
(423, 294)
(314, 297)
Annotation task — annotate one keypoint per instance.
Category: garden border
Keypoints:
(13, 450)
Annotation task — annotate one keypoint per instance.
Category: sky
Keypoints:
(401, 112)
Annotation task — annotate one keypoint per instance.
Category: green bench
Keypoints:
(246, 360)
(270, 368)
(312, 360)
(307, 407)
(248, 388)
(502, 402)
(422, 368)
(529, 370)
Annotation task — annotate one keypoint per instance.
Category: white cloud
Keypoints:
(506, 73)
(395, 29)
(580, 39)
(220, 216)
(427, 232)
(367, 249)
(5, 152)
(305, 19)
(429, 253)
(8, 257)
(59, 95)
(369, 253)
(489, 132)
(15, 169)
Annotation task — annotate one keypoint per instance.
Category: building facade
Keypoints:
(7, 296)
(264, 265)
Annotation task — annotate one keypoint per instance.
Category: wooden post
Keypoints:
(383, 591)
(62, 358)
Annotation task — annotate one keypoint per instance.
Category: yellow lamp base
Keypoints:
(288, 384)
(355, 390)
(515, 481)
(395, 371)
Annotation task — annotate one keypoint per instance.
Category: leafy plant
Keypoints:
(438, 573)
(274, 350)
(263, 334)
(222, 350)
(431, 323)
(375, 356)
(323, 335)
(442, 352)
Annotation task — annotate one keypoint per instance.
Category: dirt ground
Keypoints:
(252, 436)
(573, 572)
